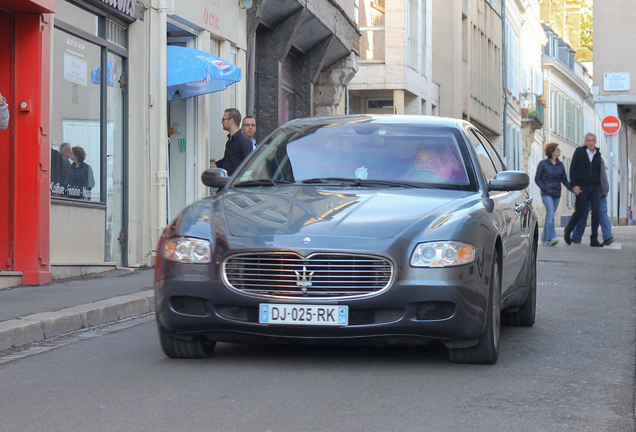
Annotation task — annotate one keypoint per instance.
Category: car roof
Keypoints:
(381, 119)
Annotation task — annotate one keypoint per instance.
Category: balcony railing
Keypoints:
(534, 108)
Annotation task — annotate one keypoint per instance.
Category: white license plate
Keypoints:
(304, 314)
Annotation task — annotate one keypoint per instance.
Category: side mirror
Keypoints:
(509, 181)
(215, 177)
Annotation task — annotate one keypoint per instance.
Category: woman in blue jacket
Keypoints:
(550, 174)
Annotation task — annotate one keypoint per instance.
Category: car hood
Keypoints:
(336, 211)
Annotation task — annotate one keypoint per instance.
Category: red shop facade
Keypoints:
(25, 40)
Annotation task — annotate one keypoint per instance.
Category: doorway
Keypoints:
(182, 145)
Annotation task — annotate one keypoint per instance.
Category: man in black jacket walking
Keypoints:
(585, 172)
(238, 146)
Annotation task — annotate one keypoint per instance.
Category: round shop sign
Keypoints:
(611, 125)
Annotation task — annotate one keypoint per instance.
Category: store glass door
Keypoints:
(115, 160)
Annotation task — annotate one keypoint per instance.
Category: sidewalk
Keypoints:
(34, 313)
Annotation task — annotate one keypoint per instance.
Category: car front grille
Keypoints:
(319, 275)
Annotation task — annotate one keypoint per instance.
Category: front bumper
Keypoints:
(421, 304)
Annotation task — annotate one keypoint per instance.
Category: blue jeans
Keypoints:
(551, 204)
(604, 222)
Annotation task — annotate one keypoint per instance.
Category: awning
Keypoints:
(192, 72)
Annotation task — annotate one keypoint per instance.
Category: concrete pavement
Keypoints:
(31, 314)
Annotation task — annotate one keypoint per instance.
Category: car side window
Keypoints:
(496, 160)
(485, 162)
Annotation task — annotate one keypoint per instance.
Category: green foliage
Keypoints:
(587, 24)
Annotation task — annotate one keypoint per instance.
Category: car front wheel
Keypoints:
(198, 347)
(487, 349)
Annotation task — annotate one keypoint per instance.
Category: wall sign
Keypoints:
(616, 82)
(75, 69)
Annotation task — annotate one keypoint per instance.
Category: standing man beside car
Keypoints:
(249, 129)
(237, 147)
(585, 172)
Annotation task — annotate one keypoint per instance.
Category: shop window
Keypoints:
(87, 136)
(76, 126)
(87, 132)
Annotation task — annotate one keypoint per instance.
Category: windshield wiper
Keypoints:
(387, 183)
(331, 180)
(359, 182)
(261, 182)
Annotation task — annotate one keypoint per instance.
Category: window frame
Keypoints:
(106, 46)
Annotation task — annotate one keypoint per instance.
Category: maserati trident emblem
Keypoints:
(303, 281)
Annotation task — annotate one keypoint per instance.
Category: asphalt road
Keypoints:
(572, 371)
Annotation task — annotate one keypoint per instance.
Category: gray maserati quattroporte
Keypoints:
(354, 229)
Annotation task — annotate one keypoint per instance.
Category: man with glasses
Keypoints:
(238, 146)
(249, 128)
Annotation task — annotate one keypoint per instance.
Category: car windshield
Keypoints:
(361, 154)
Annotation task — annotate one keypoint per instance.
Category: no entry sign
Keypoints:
(611, 125)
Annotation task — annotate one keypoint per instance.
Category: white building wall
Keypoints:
(409, 87)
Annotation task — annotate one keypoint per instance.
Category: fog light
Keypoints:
(435, 311)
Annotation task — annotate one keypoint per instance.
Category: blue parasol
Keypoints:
(193, 72)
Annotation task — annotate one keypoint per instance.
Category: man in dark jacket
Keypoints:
(238, 146)
(585, 172)
(60, 169)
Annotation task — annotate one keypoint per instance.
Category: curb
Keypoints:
(46, 325)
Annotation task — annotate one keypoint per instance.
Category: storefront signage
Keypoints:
(124, 6)
(71, 191)
(211, 19)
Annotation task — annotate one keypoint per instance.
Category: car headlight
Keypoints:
(187, 250)
(443, 254)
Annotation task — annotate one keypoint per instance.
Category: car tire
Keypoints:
(487, 349)
(198, 347)
(525, 315)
